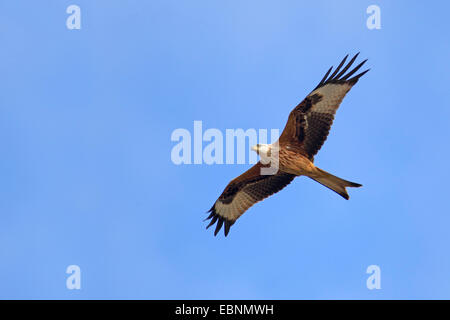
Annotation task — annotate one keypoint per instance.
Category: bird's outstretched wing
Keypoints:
(243, 192)
(310, 122)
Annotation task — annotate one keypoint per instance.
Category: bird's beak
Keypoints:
(255, 148)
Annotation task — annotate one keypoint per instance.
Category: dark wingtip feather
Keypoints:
(221, 221)
(324, 79)
(227, 227)
(211, 215)
(356, 78)
(349, 64)
(219, 226)
(339, 76)
(339, 67)
(353, 71)
(214, 219)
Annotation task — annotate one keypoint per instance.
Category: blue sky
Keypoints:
(86, 176)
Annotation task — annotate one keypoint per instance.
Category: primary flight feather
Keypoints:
(293, 154)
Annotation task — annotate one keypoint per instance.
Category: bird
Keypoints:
(292, 155)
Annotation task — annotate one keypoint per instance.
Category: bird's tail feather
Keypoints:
(334, 183)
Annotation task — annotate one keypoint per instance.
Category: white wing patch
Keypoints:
(232, 211)
(332, 95)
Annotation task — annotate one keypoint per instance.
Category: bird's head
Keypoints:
(263, 150)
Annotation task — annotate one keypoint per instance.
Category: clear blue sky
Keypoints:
(86, 176)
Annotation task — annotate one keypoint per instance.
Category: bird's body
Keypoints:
(293, 161)
(293, 154)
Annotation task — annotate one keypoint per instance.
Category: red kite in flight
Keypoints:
(305, 132)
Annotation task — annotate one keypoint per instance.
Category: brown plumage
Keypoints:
(293, 154)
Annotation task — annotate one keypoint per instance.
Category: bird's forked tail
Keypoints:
(334, 183)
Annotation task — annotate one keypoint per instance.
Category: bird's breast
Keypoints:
(295, 163)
